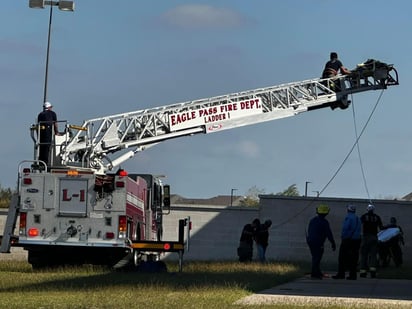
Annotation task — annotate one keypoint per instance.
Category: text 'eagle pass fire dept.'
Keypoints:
(214, 114)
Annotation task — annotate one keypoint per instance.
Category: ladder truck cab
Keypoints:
(74, 216)
(78, 210)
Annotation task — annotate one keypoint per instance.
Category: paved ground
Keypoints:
(379, 293)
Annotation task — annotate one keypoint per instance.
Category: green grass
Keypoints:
(200, 285)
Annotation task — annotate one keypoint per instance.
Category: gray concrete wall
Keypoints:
(216, 230)
(291, 215)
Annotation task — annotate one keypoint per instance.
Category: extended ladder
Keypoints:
(97, 138)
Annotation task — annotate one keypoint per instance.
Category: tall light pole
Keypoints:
(41, 4)
(231, 196)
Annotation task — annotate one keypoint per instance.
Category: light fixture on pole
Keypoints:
(231, 196)
(41, 4)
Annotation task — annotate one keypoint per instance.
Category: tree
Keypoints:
(5, 196)
(252, 197)
(292, 190)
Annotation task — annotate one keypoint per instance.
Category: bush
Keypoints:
(5, 196)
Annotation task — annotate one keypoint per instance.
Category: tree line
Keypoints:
(252, 195)
(5, 197)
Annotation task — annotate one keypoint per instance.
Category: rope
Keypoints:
(359, 152)
(356, 142)
(339, 168)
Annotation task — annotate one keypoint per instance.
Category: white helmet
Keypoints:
(370, 208)
(47, 105)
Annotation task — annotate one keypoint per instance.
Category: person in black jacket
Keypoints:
(371, 224)
(318, 231)
(391, 248)
(47, 122)
(245, 249)
(262, 239)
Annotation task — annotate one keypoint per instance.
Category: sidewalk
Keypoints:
(327, 292)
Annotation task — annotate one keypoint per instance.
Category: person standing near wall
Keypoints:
(371, 224)
(262, 239)
(245, 249)
(391, 247)
(349, 246)
(318, 231)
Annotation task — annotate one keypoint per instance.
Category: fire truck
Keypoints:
(83, 208)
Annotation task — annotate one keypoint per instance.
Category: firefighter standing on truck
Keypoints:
(47, 121)
(371, 224)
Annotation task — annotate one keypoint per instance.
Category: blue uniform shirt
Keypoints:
(351, 228)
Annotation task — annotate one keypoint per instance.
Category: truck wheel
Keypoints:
(136, 258)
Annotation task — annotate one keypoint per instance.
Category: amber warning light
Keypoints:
(72, 173)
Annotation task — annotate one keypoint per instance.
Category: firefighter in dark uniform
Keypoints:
(371, 224)
(47, 122)
(318, 231)
(334, 66)
(245, 249)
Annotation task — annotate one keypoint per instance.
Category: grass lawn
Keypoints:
(200, 285)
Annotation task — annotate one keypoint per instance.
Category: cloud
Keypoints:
(249, 149)
(202, 16)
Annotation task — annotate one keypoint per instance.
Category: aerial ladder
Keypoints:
(96, 141)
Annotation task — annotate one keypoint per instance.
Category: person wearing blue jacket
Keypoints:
(318, 231)
(349, 246)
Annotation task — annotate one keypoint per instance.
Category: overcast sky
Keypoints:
(110, 57)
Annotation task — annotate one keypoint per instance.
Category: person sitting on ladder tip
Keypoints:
(333, 67)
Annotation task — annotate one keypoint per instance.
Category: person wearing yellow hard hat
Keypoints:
(318, 231)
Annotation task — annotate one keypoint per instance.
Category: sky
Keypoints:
(110, 57)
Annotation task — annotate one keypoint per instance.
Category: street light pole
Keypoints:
(231, 196)
(46, 74)
(306, 188)
(63, 6)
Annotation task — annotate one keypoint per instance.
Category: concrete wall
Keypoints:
(216, 230)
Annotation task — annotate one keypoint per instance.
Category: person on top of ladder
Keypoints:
(332, 68)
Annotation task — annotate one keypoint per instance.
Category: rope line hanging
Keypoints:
(359, 152)
(339, 168)
(353, 146)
